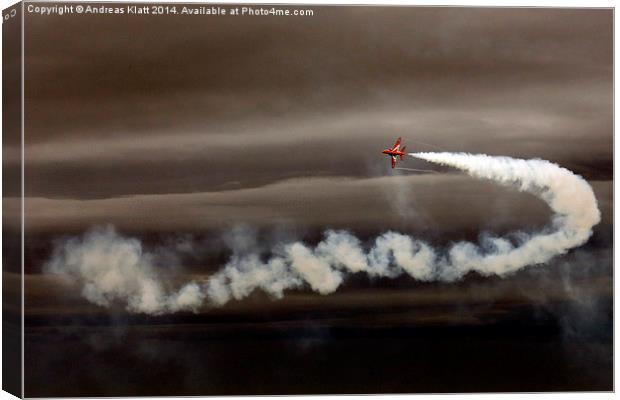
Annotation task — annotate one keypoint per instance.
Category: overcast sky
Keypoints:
(233, 114)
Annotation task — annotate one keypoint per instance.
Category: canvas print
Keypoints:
(271, 199)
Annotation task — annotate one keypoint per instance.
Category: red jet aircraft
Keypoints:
(395, 151)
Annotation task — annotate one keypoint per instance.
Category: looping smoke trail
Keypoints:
(112, 268)
(568, 195)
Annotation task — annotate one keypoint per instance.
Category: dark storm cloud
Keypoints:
(430, 204)
(343, 144)
(314, 61)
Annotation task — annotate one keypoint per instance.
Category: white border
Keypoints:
(478, 3)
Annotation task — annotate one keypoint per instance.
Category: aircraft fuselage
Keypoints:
(393, 153)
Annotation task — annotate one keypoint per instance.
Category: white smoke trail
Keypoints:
(112, 268)
(568, 195)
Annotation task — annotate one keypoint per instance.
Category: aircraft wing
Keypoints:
(396, 145)
(393, 162)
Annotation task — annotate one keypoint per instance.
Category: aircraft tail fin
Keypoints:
(403, 150)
